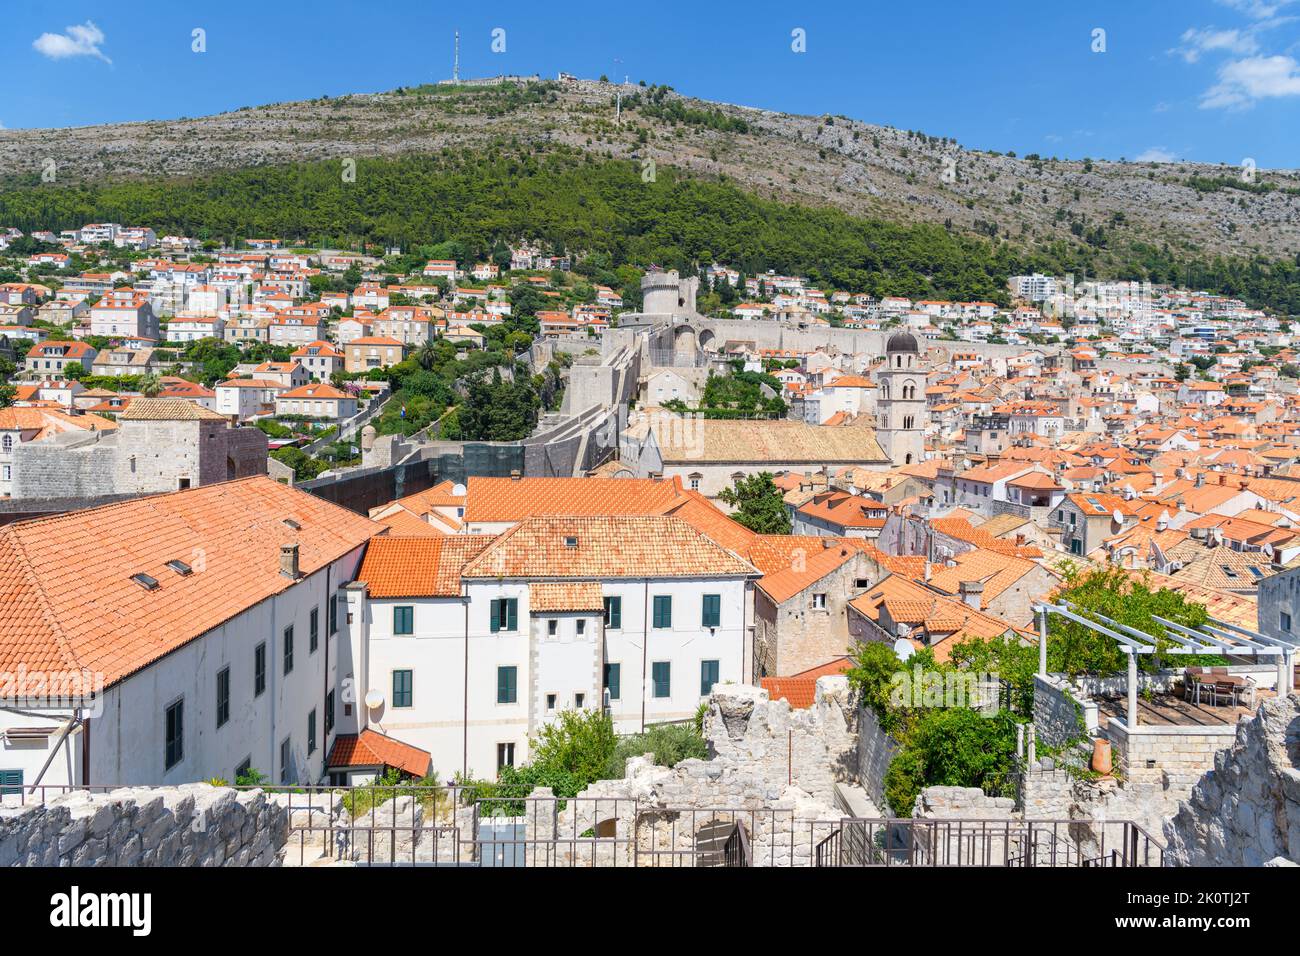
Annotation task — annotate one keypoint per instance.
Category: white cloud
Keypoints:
(1244, 82)
(1156, 154)
(1212, 40)
(1256, 9)
(81, 40)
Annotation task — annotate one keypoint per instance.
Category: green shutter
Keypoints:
(613, 613)
(663, 611)
(708, 676)
(512, 614)
(712, 610)
(496, 616)
(506, 692)
(663, 680)
(612, 680)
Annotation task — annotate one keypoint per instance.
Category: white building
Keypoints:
(232, 654)
(468, 644)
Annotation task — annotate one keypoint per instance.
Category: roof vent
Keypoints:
(180, 567)
(290, 523)
(145, 581)
(570, 542)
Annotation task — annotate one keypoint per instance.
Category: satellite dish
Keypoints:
(1268, 549)
(1118, 516)
(903, 648)
(374, 699)
(458, 490)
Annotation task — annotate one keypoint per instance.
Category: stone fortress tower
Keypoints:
(901, 409)
(666, 293)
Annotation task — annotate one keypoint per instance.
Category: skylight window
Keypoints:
(180, 567)
(145, 581)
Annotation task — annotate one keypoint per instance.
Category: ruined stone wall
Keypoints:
(1246, 812)
(190, 825)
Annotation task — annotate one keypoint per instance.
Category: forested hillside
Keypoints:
(606, 210)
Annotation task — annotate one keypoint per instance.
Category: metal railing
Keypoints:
(423, 825)
(987, 843)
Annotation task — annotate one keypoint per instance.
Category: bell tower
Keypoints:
(900, 408)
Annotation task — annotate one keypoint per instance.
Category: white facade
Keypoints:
(459, 718)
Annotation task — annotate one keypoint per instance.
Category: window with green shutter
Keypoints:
(613, 613)
(712, 610)
(174, 742)
(708, 677)
(507, 692)
(403, 689)
(662, 673)
(505, 614)
(223, 696)
(11, 781)
(404, 620)
(288, 649)
(313, 630)
(613, 677)
(663, 610)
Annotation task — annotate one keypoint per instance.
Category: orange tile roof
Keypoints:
(604, 546)
(50, 421)
(569, 596)
(513, 499)
(68, 601)
(373, 749)
(785, 584)
(801, 689)
(418, 565)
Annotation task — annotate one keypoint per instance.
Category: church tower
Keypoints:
(901, 410)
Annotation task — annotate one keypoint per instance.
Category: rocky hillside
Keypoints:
(863, 169)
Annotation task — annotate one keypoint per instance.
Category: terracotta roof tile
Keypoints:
(373, 749)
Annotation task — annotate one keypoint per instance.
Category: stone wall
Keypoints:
(1247, 811)
(1172, 757)
(876, 750)
(773, 769)
(1057, 711)
(190, 825)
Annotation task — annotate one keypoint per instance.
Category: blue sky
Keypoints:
(1205, 80)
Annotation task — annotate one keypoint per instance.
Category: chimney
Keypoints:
(1200, 479)
(514, 474)
(1020, 540)
(972, 593)
(289, 561)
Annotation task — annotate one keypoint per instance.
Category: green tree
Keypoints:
(759, 504)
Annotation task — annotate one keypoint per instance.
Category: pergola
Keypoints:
(1214, 637)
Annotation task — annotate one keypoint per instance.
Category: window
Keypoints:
(11, 781)
(259, 669)
(404, 620)
(695, 482)
(552, 626)
(403, 691)
(819, 601)
(663, 610)
(579, 700)
(582, 625)
(551, 701)
(505, 614)
(175, 737)
(662, 673)
(505, 755)
(507, 690)
(242, 771)
(1286, 621)
(612, 674)
(311, 731)
(712, 610)
(223, 696)
(613, 613)
(284, 760)
(329, 711)
(334, 615)
(708, 677)
(313, 630)
(288, 650)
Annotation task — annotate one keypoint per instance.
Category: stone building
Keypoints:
(160, 444)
